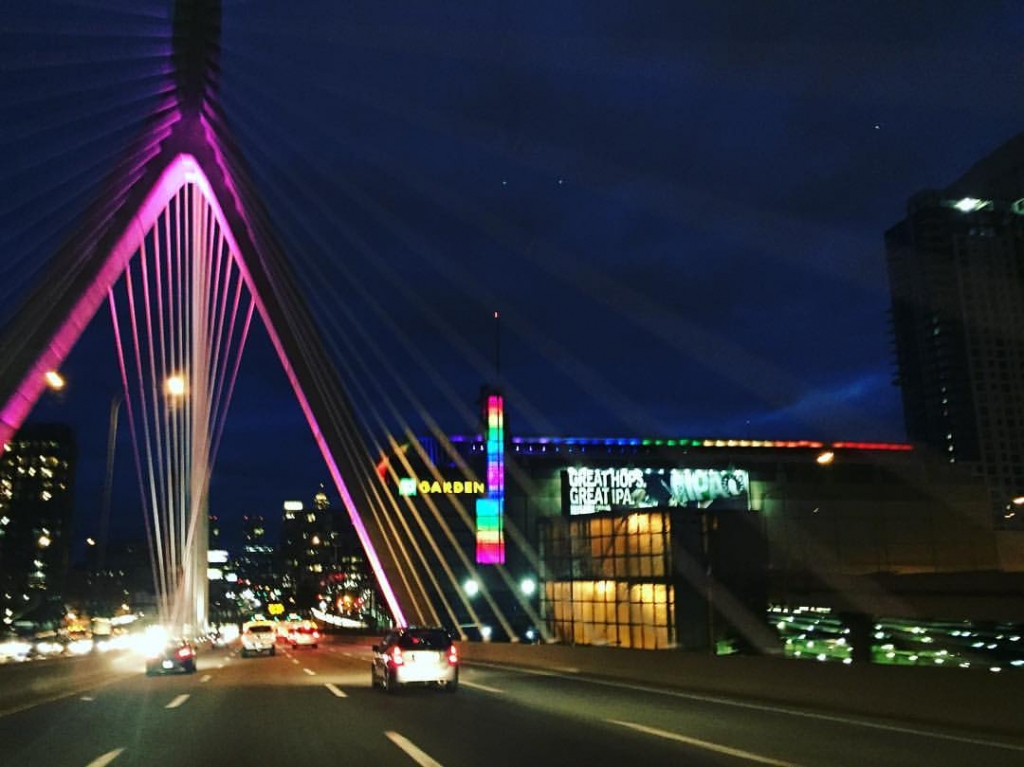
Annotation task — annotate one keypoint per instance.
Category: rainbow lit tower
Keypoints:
(490, 511)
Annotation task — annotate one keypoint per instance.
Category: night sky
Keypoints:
(677, 208)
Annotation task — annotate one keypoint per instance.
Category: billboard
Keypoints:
(587, 490)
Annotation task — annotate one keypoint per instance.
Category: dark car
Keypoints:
(416, 656)
(175, 656)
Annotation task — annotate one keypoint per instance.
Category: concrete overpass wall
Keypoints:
(1011, 550)
(974, 700)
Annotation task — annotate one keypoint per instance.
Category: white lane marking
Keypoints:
(177, 701)
(348, 655)
(338, 692)
(846, 720)
(295, 661)
(107, 758)
(717, 748)
(483, 687)
(87, 698)
(309, 671)
(421, 758)
(205, 678)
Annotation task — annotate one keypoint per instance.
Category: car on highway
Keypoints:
(258, 637)
(304, 635)
(173, 656)
(415, 655)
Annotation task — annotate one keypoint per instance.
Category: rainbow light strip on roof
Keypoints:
(700, 442)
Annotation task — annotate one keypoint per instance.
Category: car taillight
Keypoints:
(185, 652)
(396, 656)
(453, 655)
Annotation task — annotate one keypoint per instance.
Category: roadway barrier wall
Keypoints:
(976, 700)
(30, 683)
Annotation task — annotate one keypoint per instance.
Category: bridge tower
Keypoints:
(177, 218)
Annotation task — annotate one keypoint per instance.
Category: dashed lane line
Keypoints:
(205, 678)
(337, 691)
(309, 671)
(178, 701)
(412, 750)
(716, 747)
(478, 686)
(107, 758)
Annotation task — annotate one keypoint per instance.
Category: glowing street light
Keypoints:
(44, 541)
(471, 587)
(175, 386)
(54, 380)
(528, 586)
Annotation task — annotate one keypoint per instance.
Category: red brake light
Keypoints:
(396, 656)
(453, 655)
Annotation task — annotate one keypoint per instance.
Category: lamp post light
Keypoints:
(54, 380)
(471, 587)
(528, 586)
(175, 386)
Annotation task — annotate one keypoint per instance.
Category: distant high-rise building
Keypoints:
(37, 470)
(956, 273)
(214, 533)
(306, 552)
(255, 564)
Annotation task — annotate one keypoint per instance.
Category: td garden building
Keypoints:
(655, 543)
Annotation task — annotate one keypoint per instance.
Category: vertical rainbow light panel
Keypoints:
(490, 532)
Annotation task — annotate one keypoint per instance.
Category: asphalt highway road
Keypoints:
(316, 707)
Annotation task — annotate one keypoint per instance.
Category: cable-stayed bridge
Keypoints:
(177, 248)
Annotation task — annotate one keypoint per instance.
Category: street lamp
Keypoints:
(54, 380)
(528, 586)
(175, 386)
(471, 587)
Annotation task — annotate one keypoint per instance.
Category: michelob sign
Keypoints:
(587, 490)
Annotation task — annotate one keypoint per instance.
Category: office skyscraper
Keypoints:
(956, 272)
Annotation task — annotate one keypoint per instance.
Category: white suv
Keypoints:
(258, 637)
(415, 656)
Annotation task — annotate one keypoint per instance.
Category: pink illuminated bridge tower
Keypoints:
(179, 246)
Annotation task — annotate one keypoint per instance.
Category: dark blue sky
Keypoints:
(678, 209)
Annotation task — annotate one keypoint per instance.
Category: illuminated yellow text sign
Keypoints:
(456, 487)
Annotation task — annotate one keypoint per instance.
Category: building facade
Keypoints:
(37, 470)
(956, 272)
(654, 543)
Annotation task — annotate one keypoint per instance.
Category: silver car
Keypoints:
(416, 656)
